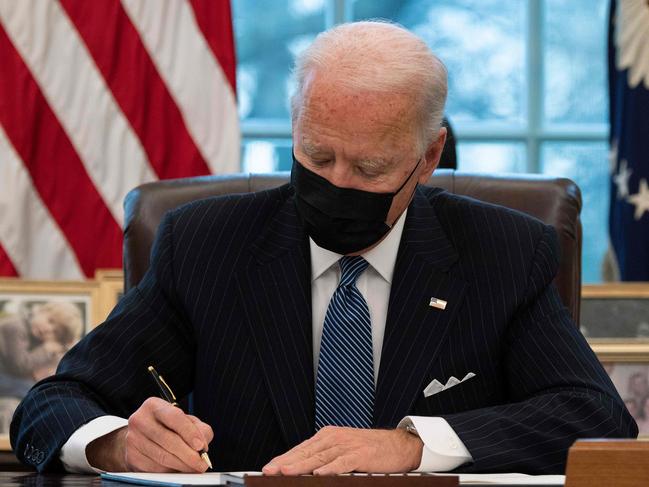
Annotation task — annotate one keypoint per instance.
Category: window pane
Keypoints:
(574, 55)
(266, 155)
(586, 163)
(491, 157)
(269, 33)
(482, 43)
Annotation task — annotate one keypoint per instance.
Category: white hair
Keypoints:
(378, 56)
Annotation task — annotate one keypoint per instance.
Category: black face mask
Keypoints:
(342, 220)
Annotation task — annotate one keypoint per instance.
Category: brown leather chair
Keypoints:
(556, 201)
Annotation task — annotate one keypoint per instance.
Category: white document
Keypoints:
(236, 478)
(178, 479)
(436, 386)
(509, 479)
(489, 478)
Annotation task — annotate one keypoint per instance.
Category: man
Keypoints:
(308, 320)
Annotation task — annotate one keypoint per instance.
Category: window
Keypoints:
(527, 85)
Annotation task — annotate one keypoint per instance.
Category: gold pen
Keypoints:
(169, 396)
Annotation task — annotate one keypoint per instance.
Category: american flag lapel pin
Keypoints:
(437, 303)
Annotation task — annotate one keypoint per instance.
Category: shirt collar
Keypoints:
(382, 257)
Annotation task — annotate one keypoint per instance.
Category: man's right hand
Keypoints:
(159, 438)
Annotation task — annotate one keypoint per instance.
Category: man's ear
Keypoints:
(433, 155)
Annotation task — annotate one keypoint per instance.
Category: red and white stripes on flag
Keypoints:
(97, 97)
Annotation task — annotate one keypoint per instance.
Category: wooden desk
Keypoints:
(31, 479)
(9, 462)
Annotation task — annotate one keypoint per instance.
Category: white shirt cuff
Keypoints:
(73, 453)
(443, 450)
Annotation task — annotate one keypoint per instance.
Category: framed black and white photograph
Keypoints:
(615, 320)
(39, 322)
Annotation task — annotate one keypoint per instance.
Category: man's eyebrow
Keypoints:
(311, 147)
(374, 163)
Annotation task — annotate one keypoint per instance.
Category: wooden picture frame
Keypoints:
(615, 320)
(39, 321)
(111, 289)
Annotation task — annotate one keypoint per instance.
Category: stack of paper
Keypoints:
(511, 479)
(178, 479)
(236, 478)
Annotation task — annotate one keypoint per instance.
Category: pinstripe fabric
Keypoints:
(344, 389)
(225, 311)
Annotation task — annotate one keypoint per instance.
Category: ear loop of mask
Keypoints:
(402, 186)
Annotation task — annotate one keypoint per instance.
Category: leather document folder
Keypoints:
(354, 481)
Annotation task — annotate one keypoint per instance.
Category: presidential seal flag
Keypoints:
(97, 97)
(629, 137)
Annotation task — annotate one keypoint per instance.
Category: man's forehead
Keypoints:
(361, 125)
(327, 94)
(318, 128)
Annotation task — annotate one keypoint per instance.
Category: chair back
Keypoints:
(555, 201)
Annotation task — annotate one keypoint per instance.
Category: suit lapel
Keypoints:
(415, 332)
(276, 295)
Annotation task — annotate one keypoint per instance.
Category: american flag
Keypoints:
(629, 98)
(97, 97)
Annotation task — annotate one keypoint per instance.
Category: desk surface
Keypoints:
(15, 479)
(31, 479)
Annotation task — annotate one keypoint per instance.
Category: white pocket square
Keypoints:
(436, 386)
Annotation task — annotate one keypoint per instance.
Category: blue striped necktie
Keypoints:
(344, 391)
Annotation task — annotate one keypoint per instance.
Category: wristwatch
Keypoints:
(410, 428)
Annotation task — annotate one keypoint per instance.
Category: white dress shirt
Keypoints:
(443, 450)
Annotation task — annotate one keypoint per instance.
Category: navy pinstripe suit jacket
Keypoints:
(225, 311)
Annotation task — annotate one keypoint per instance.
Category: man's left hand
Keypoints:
(335, 450)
